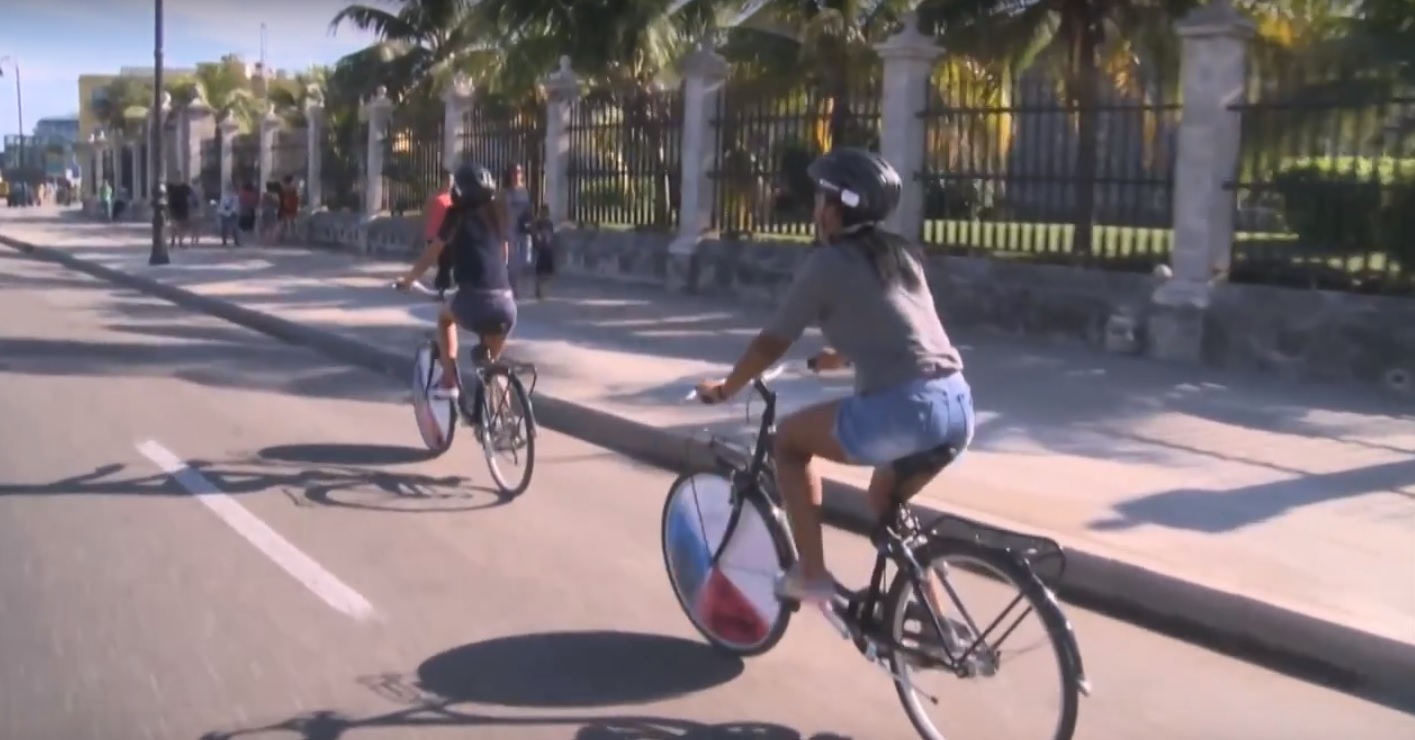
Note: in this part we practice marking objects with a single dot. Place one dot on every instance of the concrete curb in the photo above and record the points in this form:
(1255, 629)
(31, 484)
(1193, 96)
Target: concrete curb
(1340, 656)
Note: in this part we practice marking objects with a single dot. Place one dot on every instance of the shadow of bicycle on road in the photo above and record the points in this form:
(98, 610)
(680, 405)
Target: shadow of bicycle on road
(555, 670)
(351, 476)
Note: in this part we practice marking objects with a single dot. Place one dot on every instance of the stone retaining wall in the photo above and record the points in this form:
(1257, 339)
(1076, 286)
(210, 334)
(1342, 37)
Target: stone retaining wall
(1296, 335)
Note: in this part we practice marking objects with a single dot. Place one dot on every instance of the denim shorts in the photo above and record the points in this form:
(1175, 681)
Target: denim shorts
(484, 311)
(878, 428)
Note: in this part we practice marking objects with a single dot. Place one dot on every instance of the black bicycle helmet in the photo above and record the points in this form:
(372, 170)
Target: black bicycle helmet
(862, 182)
(472, 186)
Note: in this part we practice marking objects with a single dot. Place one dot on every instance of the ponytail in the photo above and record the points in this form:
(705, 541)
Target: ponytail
(891, 255)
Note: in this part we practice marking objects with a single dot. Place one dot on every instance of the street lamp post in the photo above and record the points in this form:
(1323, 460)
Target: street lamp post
(19, 106)
(94, 172)
(158, 254)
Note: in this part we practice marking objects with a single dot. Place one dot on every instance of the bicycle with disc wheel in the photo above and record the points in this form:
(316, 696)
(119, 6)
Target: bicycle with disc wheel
(726, 538)
(498, 409)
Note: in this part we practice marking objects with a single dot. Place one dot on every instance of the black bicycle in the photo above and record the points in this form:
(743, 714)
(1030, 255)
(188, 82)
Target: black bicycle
(498, 409)
(726, 537)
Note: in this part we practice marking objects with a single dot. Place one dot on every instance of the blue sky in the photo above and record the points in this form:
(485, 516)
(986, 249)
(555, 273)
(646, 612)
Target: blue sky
(54, 41)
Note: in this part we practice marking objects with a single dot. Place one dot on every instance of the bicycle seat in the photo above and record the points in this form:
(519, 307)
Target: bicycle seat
(927, 463)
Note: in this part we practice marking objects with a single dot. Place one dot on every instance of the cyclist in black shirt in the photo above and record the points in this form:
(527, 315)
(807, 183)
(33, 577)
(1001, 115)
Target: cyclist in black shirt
(473, 238)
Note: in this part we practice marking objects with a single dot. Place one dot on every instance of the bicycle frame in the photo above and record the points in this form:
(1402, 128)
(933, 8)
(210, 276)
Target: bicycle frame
(745, 481)
(894, 539)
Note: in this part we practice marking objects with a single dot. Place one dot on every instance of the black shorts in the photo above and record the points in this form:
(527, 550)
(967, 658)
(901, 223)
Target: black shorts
(545, 261)
(484, 312)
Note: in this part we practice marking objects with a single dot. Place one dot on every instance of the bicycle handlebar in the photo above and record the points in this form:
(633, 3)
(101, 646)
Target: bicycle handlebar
(759, 383)
(420, 289)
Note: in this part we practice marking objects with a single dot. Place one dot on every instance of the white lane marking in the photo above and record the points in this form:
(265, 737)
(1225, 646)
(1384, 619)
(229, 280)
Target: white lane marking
(300, 566)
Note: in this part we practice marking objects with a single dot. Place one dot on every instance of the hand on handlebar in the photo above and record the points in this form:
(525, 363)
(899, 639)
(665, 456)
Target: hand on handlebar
(711, 392)
(715, 391)
(403, 284)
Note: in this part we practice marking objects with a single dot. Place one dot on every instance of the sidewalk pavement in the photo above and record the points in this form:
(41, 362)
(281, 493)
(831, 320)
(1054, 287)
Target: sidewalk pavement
(1256, 516)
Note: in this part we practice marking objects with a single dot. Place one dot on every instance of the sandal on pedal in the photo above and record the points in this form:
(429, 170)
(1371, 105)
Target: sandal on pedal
(444, 393)
(791, 585)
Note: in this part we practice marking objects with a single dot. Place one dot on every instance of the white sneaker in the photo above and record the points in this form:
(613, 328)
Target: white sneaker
(441, 393)
(795, 587)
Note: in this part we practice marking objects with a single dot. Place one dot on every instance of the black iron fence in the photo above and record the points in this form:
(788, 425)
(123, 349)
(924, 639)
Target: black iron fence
(210, 176)
(125, 162)
(412, 158)
(1017, 167)
(767, 137)
(624, 158)
(498, 133)
(245, 159)
(289, 155)
(1325, 188)
(343, 150)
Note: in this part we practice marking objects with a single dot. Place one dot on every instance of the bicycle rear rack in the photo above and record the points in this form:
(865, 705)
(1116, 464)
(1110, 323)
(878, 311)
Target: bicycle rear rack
(1043, 555)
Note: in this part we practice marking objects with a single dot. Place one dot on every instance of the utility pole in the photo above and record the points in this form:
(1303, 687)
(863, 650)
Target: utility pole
(158, 255)
(19, 107)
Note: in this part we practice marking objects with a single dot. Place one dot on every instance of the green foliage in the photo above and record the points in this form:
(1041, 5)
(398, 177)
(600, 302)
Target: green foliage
(958, 199)
(602, 196)
(796, 191)
(123, 107)
(1349, 205)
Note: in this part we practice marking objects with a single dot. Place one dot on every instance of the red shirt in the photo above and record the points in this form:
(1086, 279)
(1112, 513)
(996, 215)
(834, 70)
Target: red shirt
(434, 213)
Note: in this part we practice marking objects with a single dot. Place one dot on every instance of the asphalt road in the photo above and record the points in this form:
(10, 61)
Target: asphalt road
(340, 586)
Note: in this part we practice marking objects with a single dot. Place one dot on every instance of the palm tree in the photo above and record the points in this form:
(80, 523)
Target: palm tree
(343, 88)
(290, 100)
(827, 44)
(122, 106)
(225, 87)
(420, 44)
(628, 62)
(1088, 46)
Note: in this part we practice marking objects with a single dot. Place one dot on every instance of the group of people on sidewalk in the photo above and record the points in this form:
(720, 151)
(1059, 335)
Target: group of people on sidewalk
(241, 211)
(271, 214)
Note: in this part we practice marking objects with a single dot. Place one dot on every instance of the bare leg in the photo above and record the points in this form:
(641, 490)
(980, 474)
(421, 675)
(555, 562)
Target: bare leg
(447, 342)
(801, 437)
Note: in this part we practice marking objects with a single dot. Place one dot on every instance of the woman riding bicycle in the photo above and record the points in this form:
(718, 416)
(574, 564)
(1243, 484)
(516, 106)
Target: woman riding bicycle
(866, 289)
(473, 236)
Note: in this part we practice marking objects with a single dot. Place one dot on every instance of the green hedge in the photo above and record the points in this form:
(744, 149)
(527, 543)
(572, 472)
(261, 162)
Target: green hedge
(1349, 205)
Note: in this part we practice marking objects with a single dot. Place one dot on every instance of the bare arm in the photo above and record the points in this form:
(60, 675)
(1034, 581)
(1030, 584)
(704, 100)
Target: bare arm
(801, 306)
(425, 260)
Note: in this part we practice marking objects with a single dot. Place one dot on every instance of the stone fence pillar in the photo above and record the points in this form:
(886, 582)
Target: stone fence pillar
(908, 58)
(376, 113)
(269, 126)
(227, 129)
(704, 72)
(457, 101)
(315, 124)
(197, 124)
(1213, 77)
(562, 90)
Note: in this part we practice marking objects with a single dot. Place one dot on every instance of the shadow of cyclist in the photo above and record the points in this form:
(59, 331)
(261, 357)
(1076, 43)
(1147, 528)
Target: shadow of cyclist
(555, 670)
